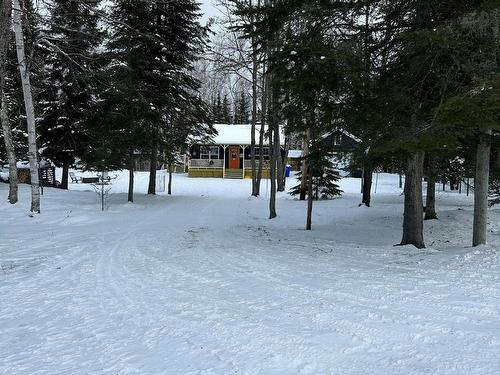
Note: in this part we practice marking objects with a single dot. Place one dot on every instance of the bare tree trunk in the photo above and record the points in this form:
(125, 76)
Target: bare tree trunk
(65, 176)
(367, 184)
(272, 175)
(152, 168)
(430, 199)
(28, 102)
(5, 22)
(304, 168)
(310, 197)
(9, 147)
(280, 171)
(413, 224)
(255, 66)
(261, 133)
(400, 181)
(131, 178)
(272, 151)
(169, 180)
(481, 188)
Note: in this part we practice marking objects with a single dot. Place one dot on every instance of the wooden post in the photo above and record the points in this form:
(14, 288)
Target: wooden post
(243, 148)
(224, 162)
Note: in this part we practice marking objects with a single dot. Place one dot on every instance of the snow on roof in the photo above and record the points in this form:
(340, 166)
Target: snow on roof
(345, 132)
(228, 134)
(295, 154)
(352, 136)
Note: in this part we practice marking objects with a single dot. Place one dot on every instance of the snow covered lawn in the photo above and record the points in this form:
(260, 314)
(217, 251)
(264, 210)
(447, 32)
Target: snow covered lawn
(202, 283)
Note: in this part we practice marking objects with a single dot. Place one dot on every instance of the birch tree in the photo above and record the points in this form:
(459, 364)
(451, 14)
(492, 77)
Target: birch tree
(17, 16)
(5, 35)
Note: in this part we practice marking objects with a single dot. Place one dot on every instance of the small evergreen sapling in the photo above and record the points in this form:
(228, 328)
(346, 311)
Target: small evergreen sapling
(325, 179)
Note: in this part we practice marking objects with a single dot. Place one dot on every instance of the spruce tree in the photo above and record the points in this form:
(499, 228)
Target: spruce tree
(68, 90)
(324, 176)
(226, 111)
(217, 110)
(241, 109)
(152, 47)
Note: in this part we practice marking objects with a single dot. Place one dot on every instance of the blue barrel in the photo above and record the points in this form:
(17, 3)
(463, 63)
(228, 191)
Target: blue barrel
(288, 170)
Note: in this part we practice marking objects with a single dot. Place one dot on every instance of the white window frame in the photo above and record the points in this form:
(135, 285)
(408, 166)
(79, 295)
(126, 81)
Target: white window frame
(337, 139)
(209, 152)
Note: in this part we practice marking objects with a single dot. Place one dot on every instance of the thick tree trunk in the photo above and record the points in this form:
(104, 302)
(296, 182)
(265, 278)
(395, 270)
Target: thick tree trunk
(169, 180)
(152, 168)
(9, 147)
(304, 167)
(413, 225)
(280, 170)
(452, 183)
(65, 176)
(272, 175)
(430, 199)
(131, 179)
(5, 22)
(310, 198)
(28, 102)
(367, 185)
(481, 183)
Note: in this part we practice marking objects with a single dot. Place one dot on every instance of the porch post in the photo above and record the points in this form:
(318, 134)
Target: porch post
(243, 147)
(224, 162)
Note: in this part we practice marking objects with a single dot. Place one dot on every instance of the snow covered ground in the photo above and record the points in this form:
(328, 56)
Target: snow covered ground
(202, 282)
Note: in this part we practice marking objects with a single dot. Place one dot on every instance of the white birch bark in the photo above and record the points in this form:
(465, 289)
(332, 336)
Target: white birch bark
(17, 13)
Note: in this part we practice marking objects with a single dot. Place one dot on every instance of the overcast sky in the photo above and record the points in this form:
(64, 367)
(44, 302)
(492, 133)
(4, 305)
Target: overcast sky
(208, 9)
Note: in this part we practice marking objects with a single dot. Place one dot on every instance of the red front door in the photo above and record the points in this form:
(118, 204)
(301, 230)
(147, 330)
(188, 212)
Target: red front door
(234, 157)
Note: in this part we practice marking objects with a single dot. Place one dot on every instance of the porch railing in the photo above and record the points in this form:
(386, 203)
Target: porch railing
(205, 163)
(248, 164)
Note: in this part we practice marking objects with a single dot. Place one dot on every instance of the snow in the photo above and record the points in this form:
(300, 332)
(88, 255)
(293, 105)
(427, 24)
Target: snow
(232, 134)
(295, 154)
(202, 282)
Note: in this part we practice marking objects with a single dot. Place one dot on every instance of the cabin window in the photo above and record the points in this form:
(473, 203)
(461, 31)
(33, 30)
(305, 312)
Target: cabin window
(265, 151)
(209, 152)
(337, 140)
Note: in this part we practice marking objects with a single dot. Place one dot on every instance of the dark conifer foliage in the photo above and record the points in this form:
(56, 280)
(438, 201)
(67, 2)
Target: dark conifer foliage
(67, 94)
(17, 116)
(242, 109)
(225, 114)
(151, 49)
(325, 179)
(217, 110)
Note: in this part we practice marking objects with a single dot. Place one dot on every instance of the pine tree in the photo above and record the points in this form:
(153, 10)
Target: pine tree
(325, 180)
(68, 91)
(226, 111)
(241, 109)
(217, 110)
(152, 47)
